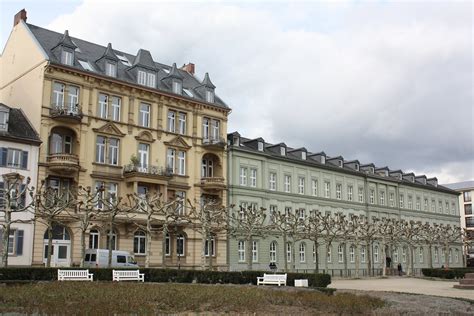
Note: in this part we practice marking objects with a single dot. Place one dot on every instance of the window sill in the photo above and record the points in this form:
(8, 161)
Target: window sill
(106, 165)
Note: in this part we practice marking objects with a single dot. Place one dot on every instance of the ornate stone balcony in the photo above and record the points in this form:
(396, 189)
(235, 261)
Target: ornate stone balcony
(63, 163)
(66, 112)
(213, 183)
(215, 143)
(141, 173)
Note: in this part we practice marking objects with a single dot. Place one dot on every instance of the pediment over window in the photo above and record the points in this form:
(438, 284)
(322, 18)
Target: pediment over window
(145, 136)
(178, 142)
(109, 129)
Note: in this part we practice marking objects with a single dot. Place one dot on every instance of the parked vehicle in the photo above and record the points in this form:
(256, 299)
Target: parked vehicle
(99, 258)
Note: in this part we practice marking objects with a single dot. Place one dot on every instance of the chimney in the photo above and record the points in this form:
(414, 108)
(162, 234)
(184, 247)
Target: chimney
(189, 68)
(19, 16)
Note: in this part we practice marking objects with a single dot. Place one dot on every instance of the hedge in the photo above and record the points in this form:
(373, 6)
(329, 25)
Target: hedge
(450, 273)
(167, 275)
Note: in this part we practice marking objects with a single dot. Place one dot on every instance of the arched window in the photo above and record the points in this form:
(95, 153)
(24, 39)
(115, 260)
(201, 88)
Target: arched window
(273, 251)
(395, 255)
(241, 250)
(139, 243)
(376, 254)
(288, 252)
(180, 242)
(94, 239)
(362, 254)
(114, 240)
(59, 233)
(302, 252)
(352, 253)
(436, 256)
(421, 255)
(404, 254)
(340, 253)
(254, 251)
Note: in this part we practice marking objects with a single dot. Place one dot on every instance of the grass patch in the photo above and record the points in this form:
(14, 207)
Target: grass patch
(105, 298)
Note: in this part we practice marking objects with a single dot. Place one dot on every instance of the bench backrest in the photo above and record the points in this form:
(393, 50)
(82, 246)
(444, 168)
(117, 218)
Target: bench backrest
(73, 273)
(274, 277)
(126, 273)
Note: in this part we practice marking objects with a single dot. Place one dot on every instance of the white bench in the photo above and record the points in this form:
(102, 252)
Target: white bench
(301, 283)
(75, 275)
(128, 275)
(279, 279)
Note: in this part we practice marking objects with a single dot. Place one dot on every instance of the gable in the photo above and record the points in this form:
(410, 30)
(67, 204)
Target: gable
(109, 129)
(178, 142)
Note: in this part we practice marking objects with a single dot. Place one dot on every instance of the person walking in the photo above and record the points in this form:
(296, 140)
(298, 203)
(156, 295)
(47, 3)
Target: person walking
(399, 267)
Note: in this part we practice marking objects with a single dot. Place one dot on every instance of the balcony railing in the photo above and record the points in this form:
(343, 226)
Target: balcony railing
(213, 182)
(63, 162)
(214, 141)
(66, 110)
(148, 170)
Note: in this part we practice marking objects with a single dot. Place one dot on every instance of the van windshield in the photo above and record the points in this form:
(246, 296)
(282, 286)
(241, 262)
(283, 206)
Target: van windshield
(131, 260)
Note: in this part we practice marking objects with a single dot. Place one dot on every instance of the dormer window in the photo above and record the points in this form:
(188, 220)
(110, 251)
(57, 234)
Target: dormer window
(283, 151)
(371, 170)
(146, 78)
(177, 87)
(66, 57)
(237, 141)
(3, 120)
(323, 159)
(303, 155)
(110, 69)
(340, 163)
(357, 167)
(260, 146)
(209, 96)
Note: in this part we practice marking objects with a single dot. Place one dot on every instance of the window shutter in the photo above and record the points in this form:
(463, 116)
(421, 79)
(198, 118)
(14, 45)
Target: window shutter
(19, 242)
(24, 160)
(3, 156)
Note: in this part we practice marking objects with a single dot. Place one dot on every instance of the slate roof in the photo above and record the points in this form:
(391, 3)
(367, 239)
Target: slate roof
(19, 128)
(460, 186)
(90, 52)
(345, 168)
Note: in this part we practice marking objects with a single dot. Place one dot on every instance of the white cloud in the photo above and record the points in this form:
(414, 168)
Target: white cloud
(384, 82)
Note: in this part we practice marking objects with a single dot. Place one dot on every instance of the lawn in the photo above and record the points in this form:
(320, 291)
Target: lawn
(105, 298)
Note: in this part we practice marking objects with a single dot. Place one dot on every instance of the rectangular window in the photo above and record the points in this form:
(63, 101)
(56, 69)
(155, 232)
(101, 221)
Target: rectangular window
(58, 94)
(141, 79)
(382, 198)
(433, 206)
(468, 209)
(314, 187)
(253, 178)
(66, 57)
(426, 205)
(447, 208)
(418, 204)
(205, 128)
(100, 150)
(254, 251)
(116, 104)
(150, 80)
(209, 96)
(288, 252)
(410, 202)
(182, 123)
(401, 200)
(11, 242)
(287, 184)
(272, 180)
(361, 195)
(181, 163)
(241, 250)
(210, 247)
(177, 87)
(349, 193)
(215, 130)
(273, 212)
(391, 198)
(14, 158)
(110, 69)
(170, 159)
(440, 207)
(338, 191)
(171, 121)
(243, 176)
(73, 99)
(113, 151)
(143, 154)
(180, 245)
(301, 185)
(144, 119)
(372, 197)
(467, 196)
(327, 189)
(103, 104)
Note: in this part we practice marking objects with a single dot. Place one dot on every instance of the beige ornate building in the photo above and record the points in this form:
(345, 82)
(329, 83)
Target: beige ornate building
(119, 120)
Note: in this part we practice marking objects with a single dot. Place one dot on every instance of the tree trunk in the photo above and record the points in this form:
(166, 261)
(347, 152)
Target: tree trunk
(446, 255)
(316, 246)
(5, 238)
(249, 249)
(211, 247)
(328, 245)
(384, 258)
(285, 259)
(293, 255)
(369, 259)
(111, 234)
(344, 257)
(163, 247)
(148, 243)
(83, 246)
(410, 261)
(357, 260)
(430, 254)
(50, 244)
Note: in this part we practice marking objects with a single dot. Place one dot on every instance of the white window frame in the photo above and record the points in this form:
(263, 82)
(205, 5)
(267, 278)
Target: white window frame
(338, 191)
(100, 149)
(243, 176)
(314, 187)
(352, 253)
(376, 254)
(391, 199)
(140, 236)
(302, 252)
(177, 87)
(171, 121)
(241, 250)
(171, 159)
(287, 184)
(340, 254)
(272, 181)
(141, 77)
(253, 177)
(361, 194)
(110, 69)
(116, 104)
(288, 252)
(182, 123)
(103, 105)
(327, 189)
(363, 254)
(180, 238)
(301, 182)
(349, 192)
(145, 110)
(113, 151)
(181, 163)
(273, 251)
(372, 196)
(254, 251)
(382, 197)
(66, 57)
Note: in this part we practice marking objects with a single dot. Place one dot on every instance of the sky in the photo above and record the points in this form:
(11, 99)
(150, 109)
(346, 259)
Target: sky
(379, 81)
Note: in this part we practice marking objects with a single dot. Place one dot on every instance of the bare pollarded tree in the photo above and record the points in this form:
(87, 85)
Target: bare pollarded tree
(13, 205)
(388, 235)
(249, 223)
(313, 231)
(367, 230)
(448, 235)
(344, 231)
(51, 207)
(429, 235)
(291, 227)
(467, 238)
(410, 235)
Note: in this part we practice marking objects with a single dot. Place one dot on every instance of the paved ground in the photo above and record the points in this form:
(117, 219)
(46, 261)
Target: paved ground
(406, 285)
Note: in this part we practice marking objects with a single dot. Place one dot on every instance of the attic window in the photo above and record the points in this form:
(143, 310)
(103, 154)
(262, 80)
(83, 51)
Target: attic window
(357, 167)
(303, 155)
(236, 141)
(123, 59)
(146, 78)
(177, 87)
(340, 163)
(188, 92)
(110, 69)
(371, 169)
(323, 159)
(66, 57)
(209, 96)
(260, 146)
(166, 70)
(86, 65)
(283, 151)
(4, 120)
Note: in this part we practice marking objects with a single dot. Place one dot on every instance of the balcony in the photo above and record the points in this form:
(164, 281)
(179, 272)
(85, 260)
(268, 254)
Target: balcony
(150, 174)
(213, 183)
(67, 112)
(63, 163)
(215, 143)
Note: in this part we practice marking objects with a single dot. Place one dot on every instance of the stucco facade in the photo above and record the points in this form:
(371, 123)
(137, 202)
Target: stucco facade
(116, 133)
(375, 193)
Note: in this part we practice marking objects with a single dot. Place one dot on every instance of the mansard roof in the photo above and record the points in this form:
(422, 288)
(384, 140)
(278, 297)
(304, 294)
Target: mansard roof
(206, 82)
(109, 53)
(248, 145)
(19, 127)
(91, 53)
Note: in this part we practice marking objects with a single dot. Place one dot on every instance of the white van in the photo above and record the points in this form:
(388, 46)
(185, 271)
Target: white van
(99, 258)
